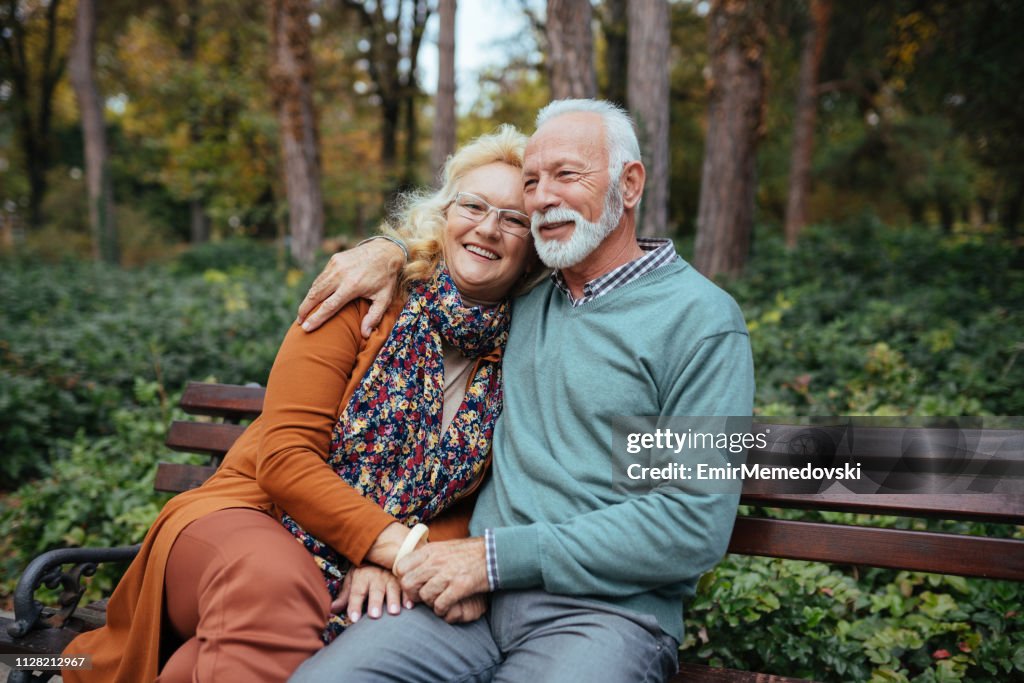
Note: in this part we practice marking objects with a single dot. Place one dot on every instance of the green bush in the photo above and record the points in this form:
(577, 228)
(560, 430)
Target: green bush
(98, 493)
(231, 255)
(815, 621)
(78, 336)
(865, 320)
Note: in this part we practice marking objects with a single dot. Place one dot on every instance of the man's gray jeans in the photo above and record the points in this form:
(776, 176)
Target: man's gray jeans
(525, 637)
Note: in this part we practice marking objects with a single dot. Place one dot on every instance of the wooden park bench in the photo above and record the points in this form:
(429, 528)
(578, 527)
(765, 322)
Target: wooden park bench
(41, 630)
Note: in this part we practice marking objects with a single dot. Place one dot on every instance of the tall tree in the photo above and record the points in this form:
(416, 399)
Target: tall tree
(199, 127)
(443, 142)
(570, 55)
(34, 75)
(811, 52)
(613, 17)
(725, 213)
(980, 61)
(649, 24)
(291, 76)
(392, 59)
(188, 46)
(94, 132)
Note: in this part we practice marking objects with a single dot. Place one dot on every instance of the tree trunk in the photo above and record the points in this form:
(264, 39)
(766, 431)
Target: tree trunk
(725, 214)
(291, 74)
(947, 216)
(570, 49)
(32, 83)
(391, 62)
(90, 106)
(408, 179)
(199, 222)
(986, 207)
(915, 207)
(409, 90)
(1011, 212)
(648, 101)
(443, 142)
(806, 113)
(616, 54)
(390, 111)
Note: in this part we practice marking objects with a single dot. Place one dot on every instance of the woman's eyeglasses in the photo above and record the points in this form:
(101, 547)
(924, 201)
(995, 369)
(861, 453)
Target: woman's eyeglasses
(477, 209)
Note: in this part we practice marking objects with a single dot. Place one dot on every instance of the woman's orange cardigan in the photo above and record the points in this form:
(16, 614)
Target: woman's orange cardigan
(278, 464)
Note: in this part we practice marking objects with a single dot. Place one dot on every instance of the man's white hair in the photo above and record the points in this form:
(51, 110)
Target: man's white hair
(620, 134)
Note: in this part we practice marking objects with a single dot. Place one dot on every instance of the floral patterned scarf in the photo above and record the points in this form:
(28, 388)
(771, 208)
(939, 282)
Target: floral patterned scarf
(387, 443)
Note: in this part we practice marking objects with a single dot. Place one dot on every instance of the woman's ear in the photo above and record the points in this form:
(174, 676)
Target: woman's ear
(631, 182)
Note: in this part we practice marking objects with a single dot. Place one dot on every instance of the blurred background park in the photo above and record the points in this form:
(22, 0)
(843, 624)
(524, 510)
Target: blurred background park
(173, 173)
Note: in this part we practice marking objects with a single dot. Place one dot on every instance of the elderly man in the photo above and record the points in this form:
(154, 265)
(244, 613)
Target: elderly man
(586, 579)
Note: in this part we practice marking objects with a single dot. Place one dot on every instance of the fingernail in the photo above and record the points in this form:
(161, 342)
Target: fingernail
(374, 612)
(353, 617)
(408, 604)
(394, 609)
(306, 327)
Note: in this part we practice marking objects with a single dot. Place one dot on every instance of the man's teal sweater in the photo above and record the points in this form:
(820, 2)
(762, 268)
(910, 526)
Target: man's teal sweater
(669, 343)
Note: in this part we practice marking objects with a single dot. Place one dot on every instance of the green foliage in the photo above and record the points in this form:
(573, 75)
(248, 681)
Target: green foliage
(78, 337)
(814, 621)
(235, 255)
(98, 493)
(864, 320)
(195, 118)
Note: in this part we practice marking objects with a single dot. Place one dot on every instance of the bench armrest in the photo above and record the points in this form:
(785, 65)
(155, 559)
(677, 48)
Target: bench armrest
(47, 569)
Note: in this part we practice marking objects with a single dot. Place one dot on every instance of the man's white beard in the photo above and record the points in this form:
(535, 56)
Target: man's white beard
(585, 237)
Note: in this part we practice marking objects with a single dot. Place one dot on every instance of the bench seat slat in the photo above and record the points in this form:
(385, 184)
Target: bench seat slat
(697, 673)
(994, 558)
(202, 437)
(36, 642)
(223, 400)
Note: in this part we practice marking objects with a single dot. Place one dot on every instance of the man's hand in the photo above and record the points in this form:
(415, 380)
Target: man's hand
(373, 586)
(443, 574)
(467, 610)
(369, 271)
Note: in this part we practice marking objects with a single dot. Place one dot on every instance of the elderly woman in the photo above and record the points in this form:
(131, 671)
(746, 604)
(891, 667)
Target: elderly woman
(360, 441)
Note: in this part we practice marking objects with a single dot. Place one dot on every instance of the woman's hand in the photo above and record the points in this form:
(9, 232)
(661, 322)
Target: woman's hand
(384, 549)
(369, 271)
(372, 588)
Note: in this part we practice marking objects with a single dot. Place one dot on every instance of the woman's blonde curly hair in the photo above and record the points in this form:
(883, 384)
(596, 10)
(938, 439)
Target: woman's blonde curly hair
(420, 219)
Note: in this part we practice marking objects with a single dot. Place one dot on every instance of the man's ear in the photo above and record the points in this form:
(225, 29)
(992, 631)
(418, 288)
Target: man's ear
(631, 182)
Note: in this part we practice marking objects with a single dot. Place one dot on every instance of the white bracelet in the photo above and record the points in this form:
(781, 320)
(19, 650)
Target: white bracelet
(416, 534)
(394, 240)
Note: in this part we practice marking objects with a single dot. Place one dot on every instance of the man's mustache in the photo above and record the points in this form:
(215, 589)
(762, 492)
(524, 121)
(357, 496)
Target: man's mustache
(558, 214)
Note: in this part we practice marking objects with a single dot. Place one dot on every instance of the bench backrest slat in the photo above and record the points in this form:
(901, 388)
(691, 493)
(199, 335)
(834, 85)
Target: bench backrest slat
(175, 477)
(202, 437)
(223, 400)
(996, 558)
(983, 507)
